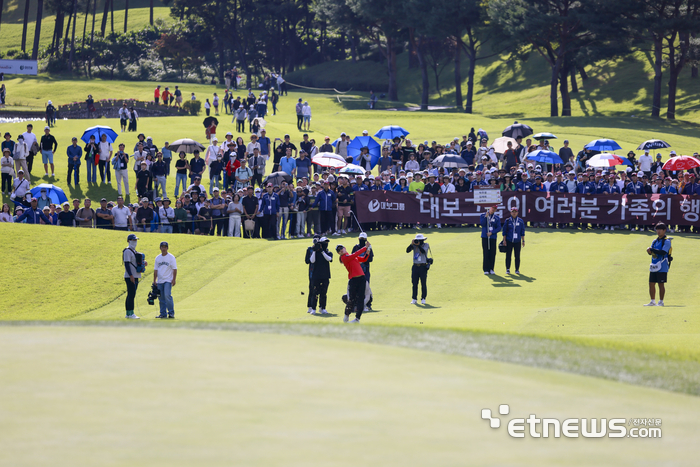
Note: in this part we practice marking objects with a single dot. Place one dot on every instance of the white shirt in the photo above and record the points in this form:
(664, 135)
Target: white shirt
(306, 110)
(138, 158)
(412, 166)
(251, 146)
(447, 188)
(121, 216)
(645, 162)
(104, 148)
(20, 187)
(124, 113)
(165, 213)
(164, 266)
(29, 139)
(212, 152)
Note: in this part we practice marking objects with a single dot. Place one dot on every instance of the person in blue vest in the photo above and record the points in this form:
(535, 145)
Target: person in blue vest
(524, 184)
(33, 214)
(660, 252)
(585, 187)
(325, 200)
(634, 186)
(270, 204)
(490, 226)
(514, 238)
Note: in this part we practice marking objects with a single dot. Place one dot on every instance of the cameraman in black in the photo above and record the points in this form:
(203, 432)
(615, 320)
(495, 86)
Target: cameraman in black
(134, 265)
(318, 258)
(421, 264)
(365, 268)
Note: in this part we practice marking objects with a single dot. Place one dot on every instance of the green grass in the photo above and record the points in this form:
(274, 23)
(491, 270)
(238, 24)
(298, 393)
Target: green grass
(13, 20)
(585, 288)
(105, 396)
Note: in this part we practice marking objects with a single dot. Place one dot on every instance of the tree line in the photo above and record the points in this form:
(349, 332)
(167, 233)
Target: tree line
(283, 35)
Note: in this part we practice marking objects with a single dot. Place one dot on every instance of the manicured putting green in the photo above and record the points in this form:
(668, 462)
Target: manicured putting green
(127, 396)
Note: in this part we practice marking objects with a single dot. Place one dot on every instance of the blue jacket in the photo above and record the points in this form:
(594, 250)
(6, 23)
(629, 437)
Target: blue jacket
(600, 187)
(270, 203)
(523, 186)
(558, 187)
(492, 223)
(516, 227)
(614, 189)
(74, 151)
(664, 245)
(671, 190)
(325, 200)
(586, 188)
(32, 216)
(634, 188)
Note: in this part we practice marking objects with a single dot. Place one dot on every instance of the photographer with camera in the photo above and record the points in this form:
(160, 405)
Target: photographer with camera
(164, 277)
(318, 258)
(660, 252)
(356, 280)
(421, 264)
(134, 265)
(490, 226)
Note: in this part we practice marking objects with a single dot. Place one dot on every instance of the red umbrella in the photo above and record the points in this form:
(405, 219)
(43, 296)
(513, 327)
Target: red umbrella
(681, 163)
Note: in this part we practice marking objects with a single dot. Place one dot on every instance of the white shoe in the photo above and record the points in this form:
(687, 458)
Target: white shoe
(612, 227)
(507, 271)
(132, 317)
(661, 303)
(46, 174)
(324, 312)
(336, 234)
(413, 302)
(517, 272)
(345, 318)
(53, 176)
(355, 320)
(651, 303)
(491, 272)
(365, 310)
(310, 310)
(422, 302)
(607, 228)
(486, 273)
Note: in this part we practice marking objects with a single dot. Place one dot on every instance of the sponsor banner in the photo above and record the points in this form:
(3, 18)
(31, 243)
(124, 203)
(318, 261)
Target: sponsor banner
(18, 67)
(564, 208)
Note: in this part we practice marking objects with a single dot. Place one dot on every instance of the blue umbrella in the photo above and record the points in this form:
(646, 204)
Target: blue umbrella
(391, 132)
(542, 155)
(97, 132)
(356, 145)
(602, 145)
(55, 194)
(626, 161)
(335, 142)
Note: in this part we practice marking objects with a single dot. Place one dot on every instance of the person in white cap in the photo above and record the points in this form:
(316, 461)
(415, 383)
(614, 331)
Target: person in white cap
(318, 258)
(645, 162)
(419, 272)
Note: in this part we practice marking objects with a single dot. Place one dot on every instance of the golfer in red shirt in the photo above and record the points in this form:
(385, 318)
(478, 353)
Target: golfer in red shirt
(356, 280)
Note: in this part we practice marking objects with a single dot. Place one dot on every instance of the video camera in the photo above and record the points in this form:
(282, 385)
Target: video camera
(153, 294)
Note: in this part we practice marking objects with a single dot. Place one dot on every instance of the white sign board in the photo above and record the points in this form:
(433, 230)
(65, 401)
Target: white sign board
(489, 196)
(18, 67)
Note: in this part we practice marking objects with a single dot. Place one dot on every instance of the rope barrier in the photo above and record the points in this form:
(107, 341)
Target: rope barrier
(319, 89)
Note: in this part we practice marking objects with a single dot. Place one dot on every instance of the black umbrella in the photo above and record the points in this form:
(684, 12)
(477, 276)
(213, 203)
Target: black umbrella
(209, 120)
(654, 144)
(450, 161)
(517, 130)
(278, 177)
(186, 144)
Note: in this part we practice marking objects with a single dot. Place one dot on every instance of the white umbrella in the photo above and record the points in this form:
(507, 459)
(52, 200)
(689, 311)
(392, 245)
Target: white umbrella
(329, 159)
(500, 145)
(352, 169)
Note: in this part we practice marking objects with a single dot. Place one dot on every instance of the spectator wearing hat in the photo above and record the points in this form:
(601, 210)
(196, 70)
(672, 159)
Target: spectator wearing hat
(181, 168)
(144, 216)
(565, 152)
(218, 206)
(306, 116)
(514, 238)
(271, 211)
(326, 200)
(66, 217)
(85, 216)
(660, 252)
(21, 154)
(133, 265)
(634, 186)
(419, 272)
(167, 216)
(524, 184)
(104, 149)
(490, 226)
(357, 281)
(341, 147)
(103, 216)
(143, 180)
(48, 147)
(318, 258)
(197, 166)
(168, 157)
(165, 277)
(8, 144)
(280, 151)
(345, 197)
(299, 109)
(33, 215)
(75, 154)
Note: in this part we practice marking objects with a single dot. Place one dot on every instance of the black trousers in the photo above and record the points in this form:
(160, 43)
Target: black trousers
(269, 226)
(356, 295)
(7, 181)
(240, 126)
(257, 178)
(218, 228)
(30, 163)
(513, 247)
(130, 293)
(419, 273)
(489, 247)
(105, 171)
(327, 220)
(318, 288)
(300, 120)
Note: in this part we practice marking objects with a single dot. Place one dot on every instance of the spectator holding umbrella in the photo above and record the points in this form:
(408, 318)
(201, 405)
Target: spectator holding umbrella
(490, 226)
(514, 238)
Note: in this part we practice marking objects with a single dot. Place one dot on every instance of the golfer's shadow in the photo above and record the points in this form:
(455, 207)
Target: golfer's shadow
(500, 281)
(522, 277)
(428, 306)
(326, 315)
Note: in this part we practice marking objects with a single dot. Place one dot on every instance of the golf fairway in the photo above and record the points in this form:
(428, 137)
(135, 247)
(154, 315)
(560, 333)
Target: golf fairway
(149, 397)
